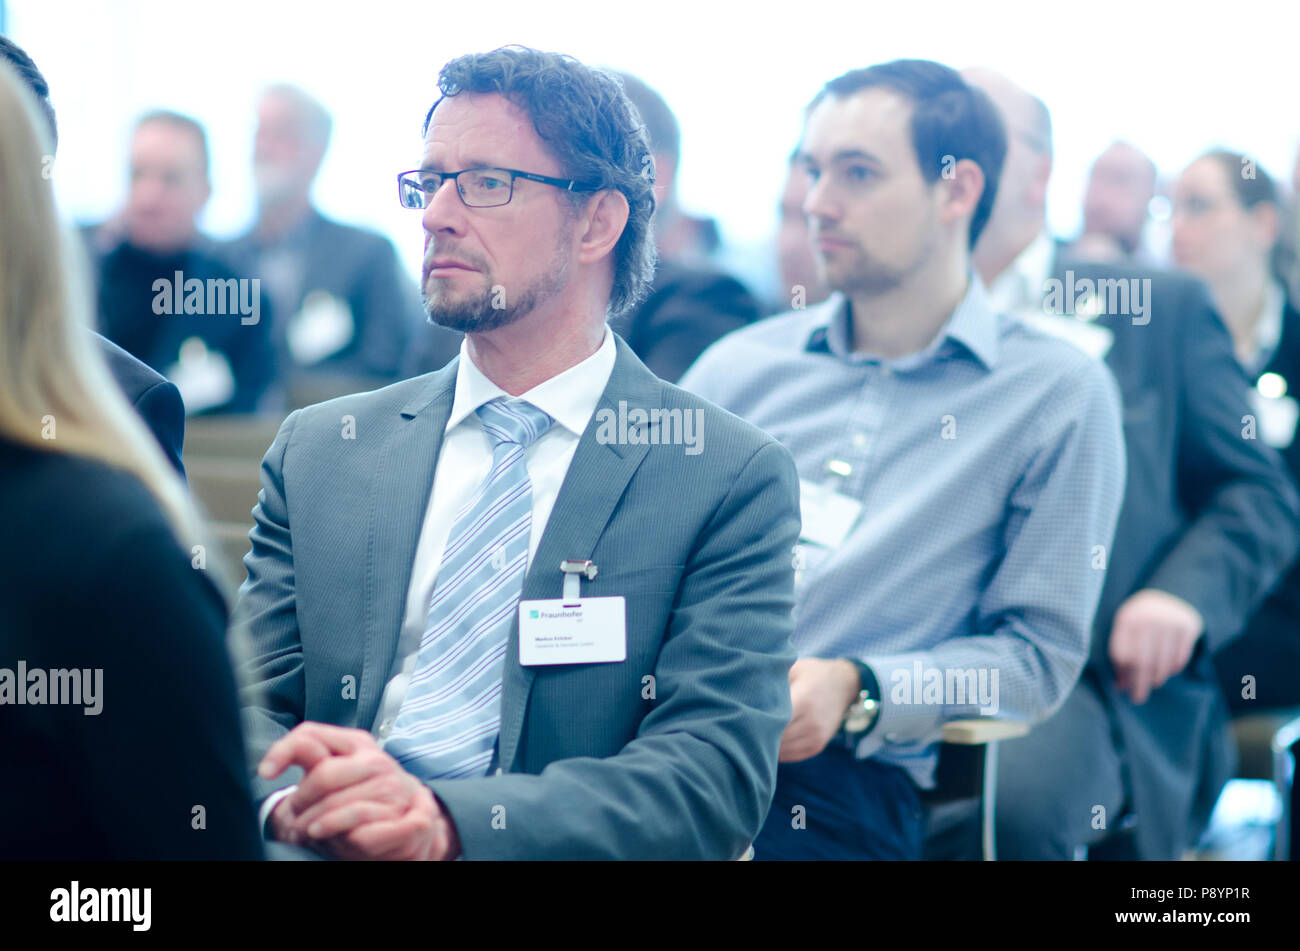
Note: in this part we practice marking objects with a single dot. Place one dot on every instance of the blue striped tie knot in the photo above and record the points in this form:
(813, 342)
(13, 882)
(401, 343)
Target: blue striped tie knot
(514, 422)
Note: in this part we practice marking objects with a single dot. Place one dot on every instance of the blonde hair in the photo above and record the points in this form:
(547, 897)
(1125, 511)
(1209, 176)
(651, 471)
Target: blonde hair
(56, 392)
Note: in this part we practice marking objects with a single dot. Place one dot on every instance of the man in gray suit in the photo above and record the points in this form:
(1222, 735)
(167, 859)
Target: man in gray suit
(551, 626)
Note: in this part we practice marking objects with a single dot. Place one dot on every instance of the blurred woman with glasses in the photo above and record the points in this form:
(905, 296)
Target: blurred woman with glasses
(1226, 229)
(119, 724)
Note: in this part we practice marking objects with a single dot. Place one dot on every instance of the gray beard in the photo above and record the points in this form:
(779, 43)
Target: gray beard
(478, 315)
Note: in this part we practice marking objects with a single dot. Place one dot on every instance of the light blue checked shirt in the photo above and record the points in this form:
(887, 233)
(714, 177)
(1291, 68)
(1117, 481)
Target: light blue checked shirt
(991, 470)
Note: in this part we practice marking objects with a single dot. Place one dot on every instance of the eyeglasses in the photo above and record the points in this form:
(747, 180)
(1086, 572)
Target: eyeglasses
(477, 187)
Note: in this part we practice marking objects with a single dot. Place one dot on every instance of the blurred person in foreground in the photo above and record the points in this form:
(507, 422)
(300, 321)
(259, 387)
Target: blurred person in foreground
(117, 701)
(1209, 521)
(343, 310)
(956, 466)
(153, 397)
(1226, 225)
(165, 295)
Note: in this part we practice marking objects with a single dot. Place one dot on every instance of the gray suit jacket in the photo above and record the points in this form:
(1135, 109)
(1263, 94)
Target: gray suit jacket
(670, 754)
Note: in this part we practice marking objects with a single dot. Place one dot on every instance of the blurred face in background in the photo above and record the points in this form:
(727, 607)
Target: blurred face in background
(286, 153)
(169, 187)
(1215, 237)
(1027, 165)
(1120, 189)
(794, 239)
(873, 217)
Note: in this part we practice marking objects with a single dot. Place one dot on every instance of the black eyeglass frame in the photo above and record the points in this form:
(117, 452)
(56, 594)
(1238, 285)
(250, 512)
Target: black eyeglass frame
(514, 173)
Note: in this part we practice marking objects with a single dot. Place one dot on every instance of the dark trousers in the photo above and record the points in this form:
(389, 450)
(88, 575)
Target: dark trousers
(833, 806)
(1051, 782)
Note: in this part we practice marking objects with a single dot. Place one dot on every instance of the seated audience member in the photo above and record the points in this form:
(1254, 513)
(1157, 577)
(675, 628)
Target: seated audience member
(156, 400)
(690, 304)
(164, 294)
(1115, 206)
(1208, 523)
(342, 306)
(418, 695)
(958, 468)
(117, 702)
(801, 282)
(1226, 221)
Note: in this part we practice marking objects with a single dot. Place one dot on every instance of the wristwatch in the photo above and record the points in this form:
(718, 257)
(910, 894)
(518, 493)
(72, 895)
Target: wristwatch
(861, 715)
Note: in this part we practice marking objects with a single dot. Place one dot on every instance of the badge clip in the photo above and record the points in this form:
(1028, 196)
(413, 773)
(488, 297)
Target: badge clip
(574, 570)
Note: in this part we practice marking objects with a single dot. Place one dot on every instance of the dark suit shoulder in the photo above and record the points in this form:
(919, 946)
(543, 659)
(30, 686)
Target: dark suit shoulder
(694, 277)
(361, 238)
(133, 376)
(155, 398)
(65, 512)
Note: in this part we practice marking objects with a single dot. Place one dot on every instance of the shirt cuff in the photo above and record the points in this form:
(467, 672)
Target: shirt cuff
(904, 717)
(268, 806)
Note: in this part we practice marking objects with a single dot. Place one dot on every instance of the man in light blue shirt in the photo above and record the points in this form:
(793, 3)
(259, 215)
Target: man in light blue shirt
(962, 472)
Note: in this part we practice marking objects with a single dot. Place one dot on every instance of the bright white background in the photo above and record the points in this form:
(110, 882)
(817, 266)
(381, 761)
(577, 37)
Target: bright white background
(1173, 78)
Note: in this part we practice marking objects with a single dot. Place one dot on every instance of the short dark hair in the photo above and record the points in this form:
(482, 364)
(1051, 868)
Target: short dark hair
(1249, 190)
(592, 129)
(13, 54)
(192, 126)
(951, 120)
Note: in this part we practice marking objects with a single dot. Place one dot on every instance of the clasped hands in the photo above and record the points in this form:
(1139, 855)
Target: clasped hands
(355, 801)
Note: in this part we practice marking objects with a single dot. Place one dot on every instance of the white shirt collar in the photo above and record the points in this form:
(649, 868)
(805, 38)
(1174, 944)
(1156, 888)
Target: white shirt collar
(569, 398)
(1268, 328)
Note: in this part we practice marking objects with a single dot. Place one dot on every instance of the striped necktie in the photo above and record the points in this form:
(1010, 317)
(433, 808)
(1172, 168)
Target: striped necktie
(448, 722)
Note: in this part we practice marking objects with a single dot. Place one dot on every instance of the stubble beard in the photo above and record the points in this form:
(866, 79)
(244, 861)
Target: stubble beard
(495, 306)
(869, 277)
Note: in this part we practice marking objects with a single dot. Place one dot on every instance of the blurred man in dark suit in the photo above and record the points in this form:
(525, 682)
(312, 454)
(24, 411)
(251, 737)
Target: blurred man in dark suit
(164, 294)
(343, 307)
(690, 304)
(1120, 188)
(156, 400)
(1210, 519)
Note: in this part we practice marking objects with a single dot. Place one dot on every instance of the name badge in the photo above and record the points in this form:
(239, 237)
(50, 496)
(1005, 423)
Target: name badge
(1277, 417)
(828, 516)
(322, 327)
(581, 631)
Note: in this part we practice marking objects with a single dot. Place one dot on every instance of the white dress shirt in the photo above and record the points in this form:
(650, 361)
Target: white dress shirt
(1268, 331)
(1021, 286)
(1021, 292)
(464, 460)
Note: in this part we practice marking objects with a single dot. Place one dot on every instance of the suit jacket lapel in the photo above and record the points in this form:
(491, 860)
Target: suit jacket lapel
(403, 481)
(595, 482)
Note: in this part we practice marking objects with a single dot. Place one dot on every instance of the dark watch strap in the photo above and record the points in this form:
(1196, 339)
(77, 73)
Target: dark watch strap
(867, 677)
